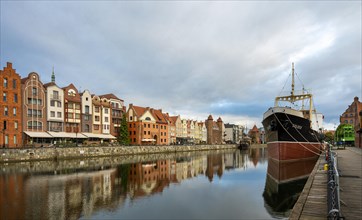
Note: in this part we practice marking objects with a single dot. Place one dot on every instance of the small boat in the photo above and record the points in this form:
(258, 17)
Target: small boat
(244, 144)
(292, 133)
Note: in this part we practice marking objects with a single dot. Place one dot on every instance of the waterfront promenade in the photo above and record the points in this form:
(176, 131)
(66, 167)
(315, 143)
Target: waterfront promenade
(312, 203)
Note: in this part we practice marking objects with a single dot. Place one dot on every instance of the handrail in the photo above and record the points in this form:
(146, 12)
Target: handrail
(333, 198)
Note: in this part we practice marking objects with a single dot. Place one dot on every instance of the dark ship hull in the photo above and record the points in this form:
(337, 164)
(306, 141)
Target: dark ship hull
(289, 135)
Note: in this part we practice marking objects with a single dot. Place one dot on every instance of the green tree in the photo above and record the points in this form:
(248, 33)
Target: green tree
(329, 137)
(123, 136)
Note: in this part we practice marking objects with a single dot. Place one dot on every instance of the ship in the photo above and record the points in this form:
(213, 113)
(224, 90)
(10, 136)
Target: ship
(293, 132)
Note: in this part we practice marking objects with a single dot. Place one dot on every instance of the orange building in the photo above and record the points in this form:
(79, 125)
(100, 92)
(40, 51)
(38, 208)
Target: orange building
(10, 108)
(255, 135)
(147, 126)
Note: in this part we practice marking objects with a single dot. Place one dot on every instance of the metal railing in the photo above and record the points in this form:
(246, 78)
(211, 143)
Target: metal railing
(333, 198)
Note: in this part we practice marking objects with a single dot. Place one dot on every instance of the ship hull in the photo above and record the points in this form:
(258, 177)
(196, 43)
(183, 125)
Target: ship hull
(289, 135)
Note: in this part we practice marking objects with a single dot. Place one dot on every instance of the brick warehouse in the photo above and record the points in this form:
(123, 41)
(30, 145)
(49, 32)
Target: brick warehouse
(10, 107)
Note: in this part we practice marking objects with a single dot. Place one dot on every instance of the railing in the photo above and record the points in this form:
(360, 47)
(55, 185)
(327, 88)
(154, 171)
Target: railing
(55, 97)
(333, 199)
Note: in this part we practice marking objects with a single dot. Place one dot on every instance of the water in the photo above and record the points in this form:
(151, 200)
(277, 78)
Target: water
(203, 185)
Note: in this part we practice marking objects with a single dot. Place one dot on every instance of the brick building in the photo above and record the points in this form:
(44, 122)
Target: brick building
(215, 131)
(352, 116)
(34, 111)
(147, 126)
(10, 108)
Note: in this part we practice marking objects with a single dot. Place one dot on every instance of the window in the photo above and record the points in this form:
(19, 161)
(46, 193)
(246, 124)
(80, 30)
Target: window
(130, 118)
(86, 98)
(16, 98)
(134, 132)
(86, 128)
(144, 132)
(77, 116)
(6, 111)
(96, 127)
(86, 117)
(77, 106)
(14, 83)
(106, 110)
(87, 109)
(4, 96)
(55, 94)
(34, 91)
(130, 133)
(39, 102)
(134, 139)
(70, 115)
(153, 126)
(96, 118)
(59, 114)
(15, 141)
(6, 139)
(149, 132)
(351, 121)
(96, 109)
(346, 121)
(149, 126)
(106, 119)
(59, 104)
(14, 111)
(52, 103)
(15, 125)
(148, 119)
(5, 83)
(52, 114)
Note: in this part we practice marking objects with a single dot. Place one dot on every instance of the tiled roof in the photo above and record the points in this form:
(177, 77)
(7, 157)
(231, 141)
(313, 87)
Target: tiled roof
(139, 110)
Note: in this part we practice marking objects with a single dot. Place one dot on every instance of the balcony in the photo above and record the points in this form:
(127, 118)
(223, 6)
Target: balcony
(55, 97)
(35, 116)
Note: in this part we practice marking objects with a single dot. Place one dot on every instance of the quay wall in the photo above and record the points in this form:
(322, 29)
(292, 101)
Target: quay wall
(65, 153)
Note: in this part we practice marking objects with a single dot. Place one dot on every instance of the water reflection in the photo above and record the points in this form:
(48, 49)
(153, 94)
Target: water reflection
(76, 194)
(284, 183)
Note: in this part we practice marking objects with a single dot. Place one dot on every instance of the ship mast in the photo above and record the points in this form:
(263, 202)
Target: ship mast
(293, 97)
(292, 92)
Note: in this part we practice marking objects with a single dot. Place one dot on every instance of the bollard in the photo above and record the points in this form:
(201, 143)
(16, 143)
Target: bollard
(325, 167)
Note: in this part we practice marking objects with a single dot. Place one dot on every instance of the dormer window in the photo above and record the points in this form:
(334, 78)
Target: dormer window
(148, 119)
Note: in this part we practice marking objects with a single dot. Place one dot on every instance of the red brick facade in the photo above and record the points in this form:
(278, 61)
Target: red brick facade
(10, 108)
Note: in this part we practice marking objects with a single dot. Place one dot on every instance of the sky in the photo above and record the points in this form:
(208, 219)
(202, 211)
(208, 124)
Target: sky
(192, 58)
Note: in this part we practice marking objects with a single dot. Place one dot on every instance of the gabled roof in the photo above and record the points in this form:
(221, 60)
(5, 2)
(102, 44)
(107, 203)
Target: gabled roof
(110, 96)
(139, 110)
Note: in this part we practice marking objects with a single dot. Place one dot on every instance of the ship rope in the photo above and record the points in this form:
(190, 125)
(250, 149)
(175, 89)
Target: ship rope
(294, 138)
(301, 133)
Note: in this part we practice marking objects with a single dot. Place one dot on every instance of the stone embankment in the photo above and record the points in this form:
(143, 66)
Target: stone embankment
(64, 153)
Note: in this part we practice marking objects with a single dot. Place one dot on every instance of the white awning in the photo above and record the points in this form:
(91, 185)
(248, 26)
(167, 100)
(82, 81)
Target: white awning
(66, 135)
(37, 134)
(146, 139)
(101, 136)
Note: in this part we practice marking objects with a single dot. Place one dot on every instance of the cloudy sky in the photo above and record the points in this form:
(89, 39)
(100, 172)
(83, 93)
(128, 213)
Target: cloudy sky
(192, 58)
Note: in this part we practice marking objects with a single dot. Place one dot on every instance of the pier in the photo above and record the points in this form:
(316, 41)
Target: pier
(312, 203)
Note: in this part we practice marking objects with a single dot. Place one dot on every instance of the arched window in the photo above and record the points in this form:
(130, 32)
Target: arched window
(351, 121)
(86, 128)
(148, 119)
(5, 83)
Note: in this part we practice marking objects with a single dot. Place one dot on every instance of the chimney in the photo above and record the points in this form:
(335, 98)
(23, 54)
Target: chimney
(9, 65)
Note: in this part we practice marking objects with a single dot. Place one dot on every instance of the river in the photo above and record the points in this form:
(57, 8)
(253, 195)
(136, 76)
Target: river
(232, 184)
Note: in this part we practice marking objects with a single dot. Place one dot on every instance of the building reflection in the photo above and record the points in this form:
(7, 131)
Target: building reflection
(82, 193)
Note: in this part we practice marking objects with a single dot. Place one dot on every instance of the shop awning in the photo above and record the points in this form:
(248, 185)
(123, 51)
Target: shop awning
(146, 139)
(101, 136)
(37, 134)
(66, 135)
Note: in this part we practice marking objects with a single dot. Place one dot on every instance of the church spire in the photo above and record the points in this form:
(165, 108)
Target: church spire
(53, 76)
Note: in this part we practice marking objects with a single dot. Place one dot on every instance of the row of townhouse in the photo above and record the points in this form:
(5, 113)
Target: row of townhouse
(37, 114)
(149, 126)
(33, 113)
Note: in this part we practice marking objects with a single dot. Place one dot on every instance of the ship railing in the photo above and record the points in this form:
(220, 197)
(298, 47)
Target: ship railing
(333, 197)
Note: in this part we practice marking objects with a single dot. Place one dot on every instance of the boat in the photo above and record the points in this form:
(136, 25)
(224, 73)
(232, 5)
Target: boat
(292, 133)
(244, 144)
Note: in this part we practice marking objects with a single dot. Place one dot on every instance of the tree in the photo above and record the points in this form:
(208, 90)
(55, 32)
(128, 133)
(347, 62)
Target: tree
(123, 136)
(329, 137)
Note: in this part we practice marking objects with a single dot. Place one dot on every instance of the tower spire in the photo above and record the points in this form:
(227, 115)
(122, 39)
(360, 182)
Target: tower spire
(53, 76)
